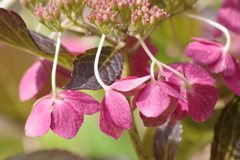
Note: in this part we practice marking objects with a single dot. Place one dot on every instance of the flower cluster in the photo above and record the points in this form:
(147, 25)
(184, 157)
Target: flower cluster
(104, 14)
(171, 93)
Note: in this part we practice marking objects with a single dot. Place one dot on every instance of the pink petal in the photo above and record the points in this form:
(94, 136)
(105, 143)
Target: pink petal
(81, 102)
(201, 102)
(154, 122)
(116, 110)
(218, 65)
(39, 119)
(152, 101)
(65, 120)
(228, 15)
(33, 81)
(197, 75)
(129, 83)
(233, 82)
(162, 118)
(170, 88)
(172, 77)
(230, 67)
(179, 113)
(139, 59)
(109, 129)
(204, 51)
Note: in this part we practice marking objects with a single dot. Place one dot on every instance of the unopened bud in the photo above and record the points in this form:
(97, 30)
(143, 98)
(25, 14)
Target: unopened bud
(59, 3)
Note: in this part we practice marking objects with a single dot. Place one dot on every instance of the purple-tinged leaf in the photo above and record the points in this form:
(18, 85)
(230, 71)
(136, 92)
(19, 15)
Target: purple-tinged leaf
(39, 120)
(81, 102)
(166, 141)
(65, 120)
(14, 32)
(109, 129)
(201, 102)
(116, 110)
(152, 101)
(47, 155)
(227, 133)
(110, 68)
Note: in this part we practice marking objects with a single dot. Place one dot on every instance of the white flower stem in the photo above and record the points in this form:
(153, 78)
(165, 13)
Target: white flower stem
(54, 67)
(217, 25)
(160, 64)
(96, 72)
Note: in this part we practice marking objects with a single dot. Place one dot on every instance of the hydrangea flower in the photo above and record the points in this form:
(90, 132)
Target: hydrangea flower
(211, 53)
(36, 82)
(156, 101)
(229, 7)
(115, 113)
(201, 96)
(63, 115)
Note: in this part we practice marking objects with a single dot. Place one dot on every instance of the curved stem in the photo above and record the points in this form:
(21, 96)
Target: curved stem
(160, 64)
(217, 25)
(54, 67)
(96, 72)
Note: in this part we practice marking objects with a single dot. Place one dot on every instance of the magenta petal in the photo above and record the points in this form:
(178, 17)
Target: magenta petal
(217, 66)
(32, 81)
(152, 101)
(205, 52)
(129, 83)
(170, 88)
(230, 67)
(179, 113)
(228, 15)
(233, 82)
(39, 119)
(108, 129)
(172, 77)
(81, 102)
(116, 110)
(197, 75)
(65, 120)
(154, 122)
(201, 102)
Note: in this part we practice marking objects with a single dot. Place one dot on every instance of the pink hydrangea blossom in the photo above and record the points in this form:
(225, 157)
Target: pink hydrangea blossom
(36, 81)
(228, 15)
(156, 101)
(201, 95)
(211, 53)
(63, 115)
(115, 113)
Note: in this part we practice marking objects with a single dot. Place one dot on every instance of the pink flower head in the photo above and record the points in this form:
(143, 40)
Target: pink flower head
(36, 80)
(115, 113)
(211, 53)
(64, 115)
(156, 101)
(228, 15)
(139, 59)
(201, 96)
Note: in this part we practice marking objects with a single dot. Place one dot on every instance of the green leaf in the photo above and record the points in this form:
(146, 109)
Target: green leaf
(110, 68)
(14, 32)
(227, 132)
(47, 155)
(166, 141)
